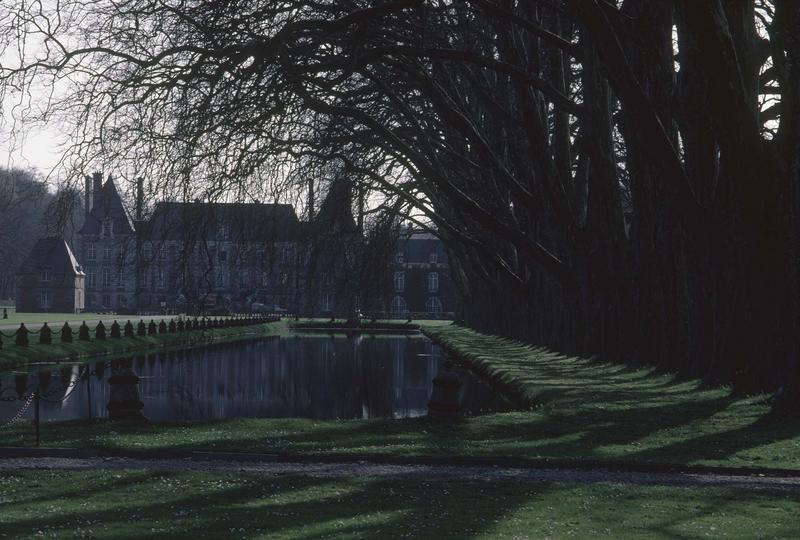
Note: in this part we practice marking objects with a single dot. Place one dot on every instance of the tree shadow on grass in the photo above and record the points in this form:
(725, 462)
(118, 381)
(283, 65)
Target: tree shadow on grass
(224, 505)
(218, 506)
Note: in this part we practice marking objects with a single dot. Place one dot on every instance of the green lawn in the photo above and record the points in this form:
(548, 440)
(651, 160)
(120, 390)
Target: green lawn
(54, 318)
(147, 504)
(13, 357)
(589, 411)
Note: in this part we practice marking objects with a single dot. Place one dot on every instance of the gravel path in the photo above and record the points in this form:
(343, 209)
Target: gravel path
(409, 471)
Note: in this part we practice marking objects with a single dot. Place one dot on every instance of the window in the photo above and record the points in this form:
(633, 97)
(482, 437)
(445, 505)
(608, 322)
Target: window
(398, 306)
(144, 279)
(223, 256)
(91, 279)
(264, 279)
(433, 258)
(433, 306)
(147, 252)
(106, 278)
(120, 278)
(222, 279)
(45, 299)
(327, 279)
(161, 279)
(399, 281)
(400, 257)
(106, 300)
(91, 252)
(107, 228)
(45, 275)
(433, 282)
(327, 302)
(122, 301)
(244, 279)
(162, 252)
(107, 252)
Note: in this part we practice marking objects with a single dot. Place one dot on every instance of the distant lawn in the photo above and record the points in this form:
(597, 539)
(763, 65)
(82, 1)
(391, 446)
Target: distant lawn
(54, 318)
(14, 357)
(148, 504)
(589, 411)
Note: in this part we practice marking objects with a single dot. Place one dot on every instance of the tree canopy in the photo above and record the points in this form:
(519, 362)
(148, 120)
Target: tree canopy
(613, 178)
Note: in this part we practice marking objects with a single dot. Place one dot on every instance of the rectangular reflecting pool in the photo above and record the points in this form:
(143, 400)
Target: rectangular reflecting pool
(308, 377)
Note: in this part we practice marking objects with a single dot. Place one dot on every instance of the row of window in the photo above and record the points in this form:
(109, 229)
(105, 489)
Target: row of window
(400, 281)
(433, 257)
(91, 252)
(399, 306)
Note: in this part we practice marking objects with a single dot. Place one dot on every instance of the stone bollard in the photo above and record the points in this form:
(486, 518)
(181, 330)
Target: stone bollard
(100, 331)
(162, 327)
(141, 328)
(202, 324)
(22, 336)
(181, 326)
(151, 328)
(123, 398)
(5, 313)
(172, 328)
(1, 340)
(83, 332)
(115, 330)
(446, 396)
(66, 333)
(128, 329)
(45, 335)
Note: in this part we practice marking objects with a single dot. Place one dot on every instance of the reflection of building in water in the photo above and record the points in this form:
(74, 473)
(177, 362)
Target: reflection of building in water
(322, 378)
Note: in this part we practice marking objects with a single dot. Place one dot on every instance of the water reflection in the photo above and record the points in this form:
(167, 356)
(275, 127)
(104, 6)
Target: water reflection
(311, 377)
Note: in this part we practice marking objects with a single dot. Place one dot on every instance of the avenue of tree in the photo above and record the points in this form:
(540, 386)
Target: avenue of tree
(618, 179)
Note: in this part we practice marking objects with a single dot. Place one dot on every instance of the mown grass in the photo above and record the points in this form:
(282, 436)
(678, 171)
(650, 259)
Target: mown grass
(13, 357)
(588, 411)
(52, 318)
(148, 504)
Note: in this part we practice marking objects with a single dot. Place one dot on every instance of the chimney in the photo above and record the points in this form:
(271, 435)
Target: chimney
(88, 193)
(310, 200)
(139, 198)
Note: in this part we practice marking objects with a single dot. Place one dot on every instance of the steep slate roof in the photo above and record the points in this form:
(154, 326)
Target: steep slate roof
(54, 253)
(244, 222)
(418, 245)
(336, 213)
(108, 204)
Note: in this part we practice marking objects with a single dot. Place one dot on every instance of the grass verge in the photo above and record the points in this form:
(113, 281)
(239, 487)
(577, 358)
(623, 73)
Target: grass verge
(146, 504)
(53, 319)
(13, 357)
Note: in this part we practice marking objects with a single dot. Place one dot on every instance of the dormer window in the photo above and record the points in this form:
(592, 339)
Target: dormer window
(433, 258)
(91, 252)
(400, 257)
(45, 275)
(108, 227)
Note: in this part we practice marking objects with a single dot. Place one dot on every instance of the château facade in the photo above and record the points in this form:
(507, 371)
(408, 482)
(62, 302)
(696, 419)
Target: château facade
(207, 257)
(421, 284)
